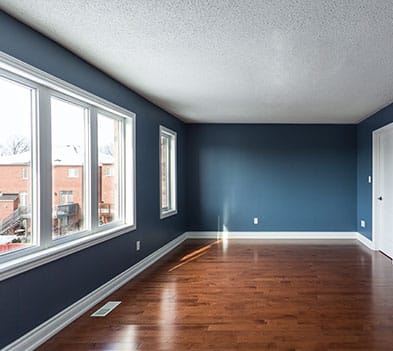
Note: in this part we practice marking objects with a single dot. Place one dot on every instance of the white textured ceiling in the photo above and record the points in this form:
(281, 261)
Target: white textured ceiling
(296, 61)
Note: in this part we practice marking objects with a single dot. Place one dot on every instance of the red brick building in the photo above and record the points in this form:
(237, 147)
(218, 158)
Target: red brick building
(67, 195)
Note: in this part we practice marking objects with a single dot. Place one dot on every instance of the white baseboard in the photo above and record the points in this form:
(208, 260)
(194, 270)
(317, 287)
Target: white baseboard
(272, 235)
(366, 241)
(283, 235)
(46, 330)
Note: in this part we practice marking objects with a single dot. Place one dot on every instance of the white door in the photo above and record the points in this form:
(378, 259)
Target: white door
(384, 189)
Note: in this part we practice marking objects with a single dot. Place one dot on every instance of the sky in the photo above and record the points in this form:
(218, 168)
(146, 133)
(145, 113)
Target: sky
(67, 118)
(14, 110)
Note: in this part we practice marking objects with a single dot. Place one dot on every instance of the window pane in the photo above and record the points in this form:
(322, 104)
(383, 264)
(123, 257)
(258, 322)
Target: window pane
(167, 172)
(108, 169)
(68, 166)
(165, 201)
(16, 112)
(73, 172)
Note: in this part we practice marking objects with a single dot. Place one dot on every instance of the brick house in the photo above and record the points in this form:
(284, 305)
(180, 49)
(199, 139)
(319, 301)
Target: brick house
(67, 197)
(9, 203)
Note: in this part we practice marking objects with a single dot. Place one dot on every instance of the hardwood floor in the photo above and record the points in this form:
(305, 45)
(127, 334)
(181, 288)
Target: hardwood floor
(248, 295)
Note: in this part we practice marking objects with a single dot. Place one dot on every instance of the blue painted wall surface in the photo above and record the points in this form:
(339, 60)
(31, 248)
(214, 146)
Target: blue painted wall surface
(293, 177)
(365, 146)
(31, 298)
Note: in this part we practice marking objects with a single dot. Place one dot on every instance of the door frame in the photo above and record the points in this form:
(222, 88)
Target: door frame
(375, 181)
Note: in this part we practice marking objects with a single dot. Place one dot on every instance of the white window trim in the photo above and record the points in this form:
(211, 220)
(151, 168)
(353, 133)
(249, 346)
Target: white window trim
(173, 172)
(47, 250)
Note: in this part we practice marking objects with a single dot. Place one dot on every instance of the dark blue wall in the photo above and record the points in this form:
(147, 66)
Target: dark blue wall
(31, 298)
(365, 143)
(294, 177)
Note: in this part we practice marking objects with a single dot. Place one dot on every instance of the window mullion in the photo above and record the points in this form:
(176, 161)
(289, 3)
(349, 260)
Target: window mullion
(44, 169)
(93, 169)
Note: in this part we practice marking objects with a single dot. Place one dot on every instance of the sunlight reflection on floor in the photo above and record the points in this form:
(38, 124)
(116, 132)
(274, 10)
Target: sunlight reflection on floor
(194, 255)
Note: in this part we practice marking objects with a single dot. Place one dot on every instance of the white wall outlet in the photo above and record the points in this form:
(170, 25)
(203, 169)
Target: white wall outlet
(363, 223)
(256, 220)
(369, 179)
(138, 245)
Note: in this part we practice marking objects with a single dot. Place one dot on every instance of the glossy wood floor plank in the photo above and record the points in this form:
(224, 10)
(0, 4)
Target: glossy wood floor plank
(248, 295)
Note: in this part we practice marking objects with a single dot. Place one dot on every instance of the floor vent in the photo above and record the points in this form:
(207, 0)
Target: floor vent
(106, 309)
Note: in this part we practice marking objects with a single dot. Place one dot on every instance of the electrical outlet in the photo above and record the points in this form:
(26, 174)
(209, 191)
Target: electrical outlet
(256, 220)
(138, 245)
(363, 223)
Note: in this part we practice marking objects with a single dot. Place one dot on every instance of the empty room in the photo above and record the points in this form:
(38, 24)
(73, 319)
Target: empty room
(196, 175)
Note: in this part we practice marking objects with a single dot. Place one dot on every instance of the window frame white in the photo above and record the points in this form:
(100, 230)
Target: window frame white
(45, 249)
(172, 172)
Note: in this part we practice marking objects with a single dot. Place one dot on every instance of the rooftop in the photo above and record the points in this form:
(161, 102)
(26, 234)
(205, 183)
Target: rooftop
(68, 155)
(8, 196)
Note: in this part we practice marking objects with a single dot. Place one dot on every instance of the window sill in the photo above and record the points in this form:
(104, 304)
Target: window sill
(22, 264)
(167, 214)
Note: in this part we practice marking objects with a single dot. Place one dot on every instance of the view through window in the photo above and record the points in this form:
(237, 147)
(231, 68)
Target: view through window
(68, 164)
(165, 172)
(15, 165)
(67, 167)
(109, 157)
(168, 204)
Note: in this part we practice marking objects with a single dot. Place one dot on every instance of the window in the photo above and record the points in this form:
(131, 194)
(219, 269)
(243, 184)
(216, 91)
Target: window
(109, 171)
(68, 149)
(23, 199)
(66, 197)
(16, 222)
(109, 158)
(25, 173)
(73, 172)
(168, 203)
(51, 170)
